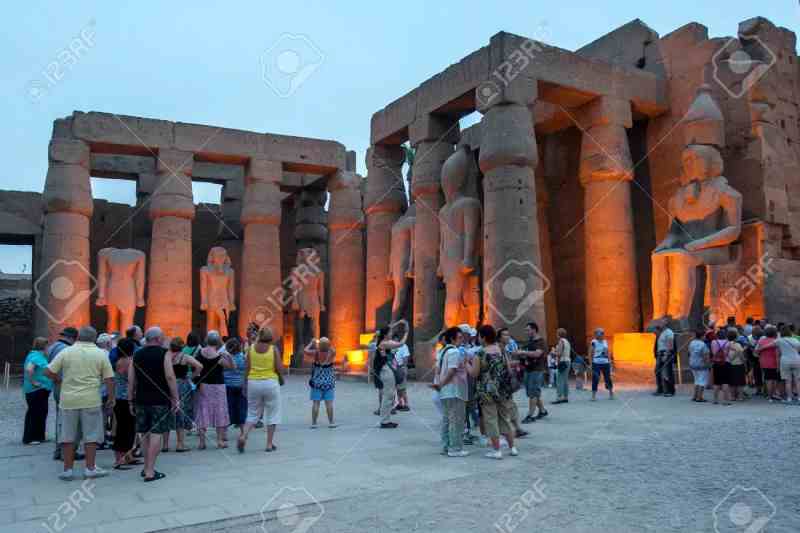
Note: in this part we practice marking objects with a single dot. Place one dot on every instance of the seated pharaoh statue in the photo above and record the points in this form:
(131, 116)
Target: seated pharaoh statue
(705, 217)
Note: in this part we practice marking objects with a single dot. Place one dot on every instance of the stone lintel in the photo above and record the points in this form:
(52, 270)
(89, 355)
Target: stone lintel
(174, 161)
(69, 152)
(605, 110)
(262, 169)
(433, 128)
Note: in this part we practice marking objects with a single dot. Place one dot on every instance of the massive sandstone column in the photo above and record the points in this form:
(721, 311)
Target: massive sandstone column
(612, 284)
(65, 284)
(514, 283)
(433, 138)
(384, 201)
(169, 289)
(262, 295)
(346, 261)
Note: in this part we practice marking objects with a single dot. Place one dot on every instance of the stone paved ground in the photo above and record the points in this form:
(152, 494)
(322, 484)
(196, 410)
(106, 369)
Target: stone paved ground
(635, 464)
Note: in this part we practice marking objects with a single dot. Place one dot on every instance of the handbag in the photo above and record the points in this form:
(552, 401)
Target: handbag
(515, 382)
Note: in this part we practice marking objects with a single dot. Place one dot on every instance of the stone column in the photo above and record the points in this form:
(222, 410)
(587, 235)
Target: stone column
(169, 281)
(262, 297)
(64, 284)
(433, 138)
(514, 282)
(612, 284)
(384, 201)
(346, 262)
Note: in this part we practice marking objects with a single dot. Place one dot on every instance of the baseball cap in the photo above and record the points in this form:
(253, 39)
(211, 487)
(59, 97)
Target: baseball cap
(467, 329)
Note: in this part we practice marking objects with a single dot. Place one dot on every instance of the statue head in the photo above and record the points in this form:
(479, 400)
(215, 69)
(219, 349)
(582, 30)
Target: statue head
(454, 173)
(700, 163)
(218, 257)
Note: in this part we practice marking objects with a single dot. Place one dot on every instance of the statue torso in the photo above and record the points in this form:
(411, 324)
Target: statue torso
(697, 208)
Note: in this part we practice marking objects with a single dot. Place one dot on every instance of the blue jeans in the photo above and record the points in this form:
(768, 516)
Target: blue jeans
(562, 383)
(605, 369)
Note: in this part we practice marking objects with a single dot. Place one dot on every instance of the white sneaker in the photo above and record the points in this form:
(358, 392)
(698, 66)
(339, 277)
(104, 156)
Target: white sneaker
(66, 475)
(483, 441)
(93, 474)
(514, 451)
(460, 453)
(494, 454)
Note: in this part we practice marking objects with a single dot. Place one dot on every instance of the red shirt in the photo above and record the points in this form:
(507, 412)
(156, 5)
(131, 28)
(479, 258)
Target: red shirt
(768, 357)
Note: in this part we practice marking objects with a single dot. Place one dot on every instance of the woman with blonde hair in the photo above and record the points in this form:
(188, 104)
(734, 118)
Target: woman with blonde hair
(264, 376)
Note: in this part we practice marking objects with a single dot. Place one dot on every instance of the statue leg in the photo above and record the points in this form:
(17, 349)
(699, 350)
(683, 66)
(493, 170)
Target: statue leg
(682, 284)
(454, 300)
(401, 284)
(660, 285)
(211, 321)
(112, 324)
(314, 315)
(125, 319)
(223, 325)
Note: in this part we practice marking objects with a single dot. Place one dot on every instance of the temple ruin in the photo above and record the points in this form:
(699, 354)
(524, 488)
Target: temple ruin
(548, 209)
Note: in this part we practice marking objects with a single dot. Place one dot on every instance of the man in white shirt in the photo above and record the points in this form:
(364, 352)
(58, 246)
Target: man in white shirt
(401, 358)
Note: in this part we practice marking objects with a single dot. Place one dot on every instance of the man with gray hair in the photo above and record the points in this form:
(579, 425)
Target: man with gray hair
(83, 368)
(153, 397)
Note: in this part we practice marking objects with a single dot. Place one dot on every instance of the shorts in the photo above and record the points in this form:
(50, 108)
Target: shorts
(497, 417)
(720, 373)
(792, 370)
(700, 377)
(770, 374)
(156, 419)
(319, 395)
(89, 422)
(737, 375)
(534, 381)
(402, 374)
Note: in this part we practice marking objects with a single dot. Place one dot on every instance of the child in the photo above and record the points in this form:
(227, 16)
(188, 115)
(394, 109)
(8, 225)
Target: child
(579, 367)
(552, 365)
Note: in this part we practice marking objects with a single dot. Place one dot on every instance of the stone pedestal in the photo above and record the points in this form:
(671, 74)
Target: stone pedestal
(169, 289)
(514, 282)
(262, 295)
(346, 262)
(383, 204)
(63, 290)
(612, 285)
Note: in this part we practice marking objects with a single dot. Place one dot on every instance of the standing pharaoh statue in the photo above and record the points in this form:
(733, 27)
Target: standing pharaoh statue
(120, 285)
(308, 288)
(401, 261)
(706, 216)
(460, 234)
(217, 290)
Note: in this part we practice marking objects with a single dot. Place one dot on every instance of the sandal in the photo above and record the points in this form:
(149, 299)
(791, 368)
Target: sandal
(122, 466)
(182, 450)
(240, 444)
(271, 449)
(156, 476)
(164, 450)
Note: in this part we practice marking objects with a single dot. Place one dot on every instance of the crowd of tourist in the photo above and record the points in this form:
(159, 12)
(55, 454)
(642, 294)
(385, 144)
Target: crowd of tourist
(131, 392)
(736, 361)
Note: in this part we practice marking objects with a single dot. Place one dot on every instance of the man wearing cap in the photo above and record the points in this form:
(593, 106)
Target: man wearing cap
(65, 339)
(468, 348)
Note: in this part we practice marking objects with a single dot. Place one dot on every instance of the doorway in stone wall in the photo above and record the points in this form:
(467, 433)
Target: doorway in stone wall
(16, 301)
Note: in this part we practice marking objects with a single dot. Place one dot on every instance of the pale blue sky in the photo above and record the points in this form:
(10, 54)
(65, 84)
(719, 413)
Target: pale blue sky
(201, 62)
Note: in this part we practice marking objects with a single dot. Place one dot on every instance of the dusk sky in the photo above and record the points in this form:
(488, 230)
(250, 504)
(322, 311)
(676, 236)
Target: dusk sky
(201, 63)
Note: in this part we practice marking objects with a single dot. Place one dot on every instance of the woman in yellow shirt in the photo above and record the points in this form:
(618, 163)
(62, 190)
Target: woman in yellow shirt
(264, 377)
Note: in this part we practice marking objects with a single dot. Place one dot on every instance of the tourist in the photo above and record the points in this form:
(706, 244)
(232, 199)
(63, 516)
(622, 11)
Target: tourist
(767, 351)
(754, 378)
(579, 368)
(387, 373)
(36, 386)
(84, 367)
(789, 363)
(211, 401)
(736, 370)
(377, 360)
(602, 359)
(491, 369)
(66, 338)
(747, 329)
(665, 361)
(104, 342)
(234, 385)
(450, 382)
(533, 353)
(402, 356)
(720, 366)
(135, 333)
(323, 379)
(264, 377)
(153, 394)
(183, 366)
(468, 349)
(509, 346)
(700, 364)
(552, 369)
(563, 354)
(124, 421)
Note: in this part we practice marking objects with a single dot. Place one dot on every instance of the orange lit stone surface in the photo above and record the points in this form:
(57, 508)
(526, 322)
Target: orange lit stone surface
(633, 356)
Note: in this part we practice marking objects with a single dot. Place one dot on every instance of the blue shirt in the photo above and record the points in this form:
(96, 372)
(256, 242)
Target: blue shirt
(39, 362)
(234, 376)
